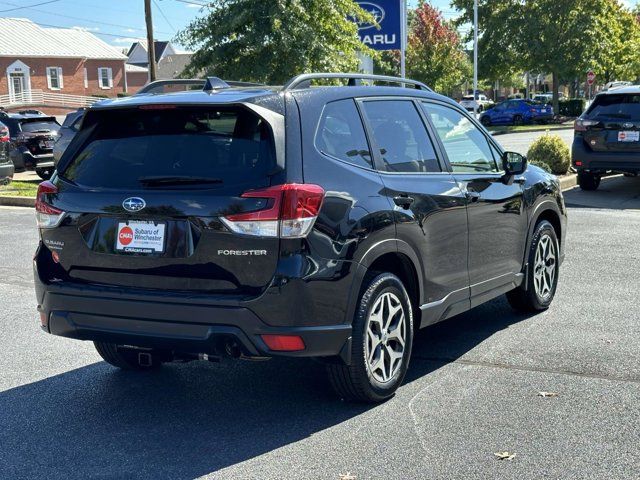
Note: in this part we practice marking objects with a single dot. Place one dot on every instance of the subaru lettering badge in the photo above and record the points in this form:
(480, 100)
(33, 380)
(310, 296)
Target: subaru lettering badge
(376, 11)
(133, 204)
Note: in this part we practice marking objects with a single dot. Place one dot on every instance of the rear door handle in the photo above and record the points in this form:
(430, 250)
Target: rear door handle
(472, 196)
(403, 201)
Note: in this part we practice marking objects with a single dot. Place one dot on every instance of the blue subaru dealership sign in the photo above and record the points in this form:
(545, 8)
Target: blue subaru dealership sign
(388, 33)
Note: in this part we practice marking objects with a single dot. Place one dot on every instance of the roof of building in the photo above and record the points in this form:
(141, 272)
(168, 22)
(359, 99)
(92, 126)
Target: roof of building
(172, 66)
(159, 47)
(129, 68)
(22, 37)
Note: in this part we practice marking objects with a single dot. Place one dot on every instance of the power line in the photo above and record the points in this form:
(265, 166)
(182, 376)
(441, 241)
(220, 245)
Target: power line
(86, 19)
(164, 16)
(188, 2)
(28, 6)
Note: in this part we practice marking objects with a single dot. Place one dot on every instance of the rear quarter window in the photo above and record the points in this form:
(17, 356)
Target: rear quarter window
(232, 145)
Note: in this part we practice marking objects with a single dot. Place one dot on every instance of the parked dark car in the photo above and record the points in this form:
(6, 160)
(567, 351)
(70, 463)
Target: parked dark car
(517, 112)
(67, 131)
(607, 137)
(32, 138)
(325, 222)
(6, 167)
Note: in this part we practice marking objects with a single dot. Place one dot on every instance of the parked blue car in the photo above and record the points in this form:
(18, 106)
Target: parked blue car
(517, 112)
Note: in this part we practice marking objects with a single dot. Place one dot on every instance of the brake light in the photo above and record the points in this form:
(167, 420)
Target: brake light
(291, 211)
(582, 125)
(284, 343)
(157, 107)
(46, 215)
(4, 135)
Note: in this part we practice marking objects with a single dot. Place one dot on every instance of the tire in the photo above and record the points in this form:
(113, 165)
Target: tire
(480, 108)
(486, 121)
(588, 181)
(126, 358)
(517, 120)
(364, 379)
(44, 174)
(539, 292)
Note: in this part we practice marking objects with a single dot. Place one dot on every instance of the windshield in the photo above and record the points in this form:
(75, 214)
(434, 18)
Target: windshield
(230, 146)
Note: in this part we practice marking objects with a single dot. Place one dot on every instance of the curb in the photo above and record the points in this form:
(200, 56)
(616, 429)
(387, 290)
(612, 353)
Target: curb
(17, 201)
(568, 182)
(550, 130)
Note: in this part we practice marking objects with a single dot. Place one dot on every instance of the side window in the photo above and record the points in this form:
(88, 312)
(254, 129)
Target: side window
(400, 134)
(467, 148)
(341, 134)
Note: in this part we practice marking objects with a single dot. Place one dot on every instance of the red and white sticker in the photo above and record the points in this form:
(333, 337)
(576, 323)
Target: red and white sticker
(140, 237)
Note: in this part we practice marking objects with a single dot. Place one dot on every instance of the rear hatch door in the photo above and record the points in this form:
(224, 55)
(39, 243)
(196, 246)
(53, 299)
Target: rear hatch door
(39, 134)
(146, 192)
(614, 123)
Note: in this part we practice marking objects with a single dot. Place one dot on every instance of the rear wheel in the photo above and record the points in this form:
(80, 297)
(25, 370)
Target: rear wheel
(588, 181)
(44, 173)
(128, 358)
(382, 340)
(542, 274)
(517, 119)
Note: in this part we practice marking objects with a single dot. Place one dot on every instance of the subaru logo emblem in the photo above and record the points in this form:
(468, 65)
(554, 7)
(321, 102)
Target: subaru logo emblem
(627, 125)
(376, 11)
(134, 204)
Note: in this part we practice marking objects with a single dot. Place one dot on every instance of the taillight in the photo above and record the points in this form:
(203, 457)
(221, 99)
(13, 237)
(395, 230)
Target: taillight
(46, 215)
(582, 125)
(4, 135)
(291, 211)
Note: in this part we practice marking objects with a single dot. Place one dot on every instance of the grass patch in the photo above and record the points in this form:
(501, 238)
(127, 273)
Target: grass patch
(529, 128)
(19, 189)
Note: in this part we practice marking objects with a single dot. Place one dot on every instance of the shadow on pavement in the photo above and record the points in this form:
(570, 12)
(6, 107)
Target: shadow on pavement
(185, 421)
(615, 192)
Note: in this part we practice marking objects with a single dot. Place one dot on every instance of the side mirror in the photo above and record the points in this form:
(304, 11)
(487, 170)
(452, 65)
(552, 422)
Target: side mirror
(514, 163)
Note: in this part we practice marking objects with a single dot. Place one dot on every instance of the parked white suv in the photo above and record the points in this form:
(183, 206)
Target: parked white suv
(482, 102)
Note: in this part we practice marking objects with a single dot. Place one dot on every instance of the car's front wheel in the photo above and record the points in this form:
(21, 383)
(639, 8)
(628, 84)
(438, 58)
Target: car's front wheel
(539, 288)
(128, 358)
(486, 121)
(588, 181)
(381, 342)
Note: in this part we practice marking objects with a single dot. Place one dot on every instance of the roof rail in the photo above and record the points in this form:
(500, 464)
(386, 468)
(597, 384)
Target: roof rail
(304, 80)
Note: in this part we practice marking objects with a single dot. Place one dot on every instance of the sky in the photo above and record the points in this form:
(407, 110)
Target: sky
(121, 22)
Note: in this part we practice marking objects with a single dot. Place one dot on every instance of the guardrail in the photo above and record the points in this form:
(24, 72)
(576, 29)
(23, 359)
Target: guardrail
(40, 98)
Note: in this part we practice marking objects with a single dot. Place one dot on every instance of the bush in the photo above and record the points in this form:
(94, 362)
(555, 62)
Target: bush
(552, 151)
(123, 94)
(542, 165)
(572, 107)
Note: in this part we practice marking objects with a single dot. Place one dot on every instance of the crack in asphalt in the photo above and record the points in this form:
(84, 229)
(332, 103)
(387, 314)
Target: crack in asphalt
(445, 361)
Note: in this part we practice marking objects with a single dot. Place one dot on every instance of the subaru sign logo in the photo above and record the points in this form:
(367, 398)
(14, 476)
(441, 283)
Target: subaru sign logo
(386, 33)
(134, 204)
(375, 11)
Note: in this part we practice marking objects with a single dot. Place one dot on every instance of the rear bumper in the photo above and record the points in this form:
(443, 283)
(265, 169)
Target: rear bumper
(25, 160)
(601, 162)
(6, 171)
(154, 320)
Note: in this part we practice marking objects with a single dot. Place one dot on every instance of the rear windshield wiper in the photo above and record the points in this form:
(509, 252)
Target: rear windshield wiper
(177, 180)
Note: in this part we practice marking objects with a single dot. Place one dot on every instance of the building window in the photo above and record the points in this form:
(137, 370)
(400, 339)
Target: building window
(54, 78)
(86, 79)
(105, 78)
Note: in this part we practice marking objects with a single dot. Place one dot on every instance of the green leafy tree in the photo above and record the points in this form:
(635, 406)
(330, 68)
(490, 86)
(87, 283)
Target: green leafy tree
(272, 40)
(435, 54)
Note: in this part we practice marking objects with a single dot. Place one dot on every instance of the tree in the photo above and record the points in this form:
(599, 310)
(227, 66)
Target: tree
(435, 54)
(271, 41)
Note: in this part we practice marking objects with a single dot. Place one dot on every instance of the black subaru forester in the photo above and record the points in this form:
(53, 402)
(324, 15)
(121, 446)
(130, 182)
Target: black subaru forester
(317, 221)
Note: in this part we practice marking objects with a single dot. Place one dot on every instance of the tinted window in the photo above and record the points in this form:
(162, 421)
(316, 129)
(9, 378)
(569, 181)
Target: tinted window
(232, 145)
(625, 107)
(467, 148)
(46, 126)
(401, 136)
(341, 134)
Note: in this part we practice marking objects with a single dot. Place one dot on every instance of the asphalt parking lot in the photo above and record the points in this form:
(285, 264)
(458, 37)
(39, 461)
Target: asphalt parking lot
(520, 142)
(472, 389)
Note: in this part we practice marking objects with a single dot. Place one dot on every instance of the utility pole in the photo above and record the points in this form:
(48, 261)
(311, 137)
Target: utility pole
(475, 56)
(150, 42)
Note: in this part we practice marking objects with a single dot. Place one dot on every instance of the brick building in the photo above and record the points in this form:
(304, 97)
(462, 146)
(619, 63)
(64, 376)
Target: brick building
(58, 61)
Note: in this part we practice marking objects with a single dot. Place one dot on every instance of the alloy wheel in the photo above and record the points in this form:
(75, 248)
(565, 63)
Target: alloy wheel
(545, 266)
(386, 335)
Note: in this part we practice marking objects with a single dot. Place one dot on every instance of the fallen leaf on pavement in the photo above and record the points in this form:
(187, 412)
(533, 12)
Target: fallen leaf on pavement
(505, 455)
(547, 394)
(347, 476)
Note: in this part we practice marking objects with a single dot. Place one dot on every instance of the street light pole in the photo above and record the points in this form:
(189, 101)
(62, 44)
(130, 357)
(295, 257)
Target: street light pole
(475, 56)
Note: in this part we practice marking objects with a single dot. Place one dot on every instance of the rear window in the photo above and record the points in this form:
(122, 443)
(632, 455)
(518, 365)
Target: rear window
(230, 145)
(616, 106)
(31, 126)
